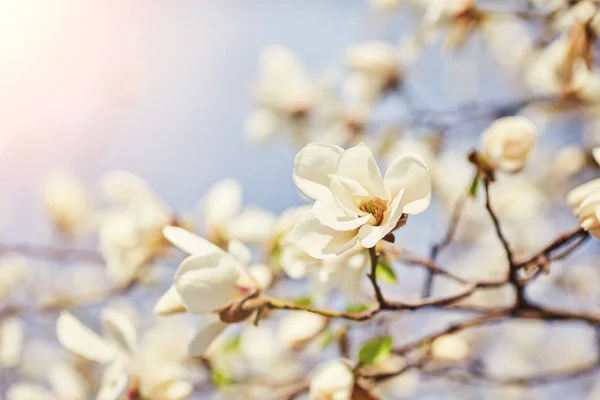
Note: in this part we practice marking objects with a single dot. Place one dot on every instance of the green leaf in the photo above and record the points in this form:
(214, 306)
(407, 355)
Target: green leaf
(219, 378)
(305, 301)
(375, 351)
(474, 186)
(357, 308)
(385, 273)
(232, 345)
(327, 338)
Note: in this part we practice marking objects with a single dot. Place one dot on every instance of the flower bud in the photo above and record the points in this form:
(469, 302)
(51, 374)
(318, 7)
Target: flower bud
(508, 143)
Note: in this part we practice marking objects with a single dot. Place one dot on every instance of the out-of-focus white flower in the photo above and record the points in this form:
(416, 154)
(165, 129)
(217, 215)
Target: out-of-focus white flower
(118, 351)
(353, 203)
(377, 60)
(332, 380)
(14, 270)
(130, 233)
(284, 92)
(585, 200)
(401, 386)
(207, 282)
(224, 219)
(65, 381)
(11, 342)
(297, 328)
(66, 202)
(450, 347)
(508, 143)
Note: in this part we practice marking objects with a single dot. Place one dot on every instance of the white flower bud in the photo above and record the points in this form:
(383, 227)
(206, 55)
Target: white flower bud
(450, 347)
(508, 143)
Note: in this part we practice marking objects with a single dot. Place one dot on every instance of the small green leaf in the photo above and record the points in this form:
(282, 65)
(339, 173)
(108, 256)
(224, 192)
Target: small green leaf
(357, 308)
(385, 273)
(327, 338)
(474, 185)
(232, 345)
(219, 378)
(305, 301)
(375, 350)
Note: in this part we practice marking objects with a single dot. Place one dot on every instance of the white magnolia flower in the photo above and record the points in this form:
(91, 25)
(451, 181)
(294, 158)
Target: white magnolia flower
(120, 353)
(206, 283)
(130, 233)
(353, 203)
(450, 347)
(333, 380)
(508, 143)
(66, 202)
(585, 200)
(65, 381)
(11, 342)
(298, 327)
(376, 60)
(225, 219)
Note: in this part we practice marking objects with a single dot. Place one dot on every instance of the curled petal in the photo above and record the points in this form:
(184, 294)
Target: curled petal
(120, 328)
(312, 167)
(81, 340)
(358, 163)
(320, 241)
(328, 212)
(410, 173)
(206, 282)
(189, 242)
(115, 381)
(210, 328)
(348, 193)
(577, 195)
(169, 303)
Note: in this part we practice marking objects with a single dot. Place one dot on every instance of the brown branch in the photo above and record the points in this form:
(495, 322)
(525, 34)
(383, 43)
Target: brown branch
(374, 257)
(565, 238)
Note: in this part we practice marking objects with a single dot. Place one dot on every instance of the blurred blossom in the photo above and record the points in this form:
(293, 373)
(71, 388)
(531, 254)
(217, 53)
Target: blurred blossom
(67, 202)
(332, 380)
(585, 200)
(12, 331)
(209, 281)
(65, 381)
(378, 61)
(507, 144)
(353, 203)
(296, 328)
(225, 219)
(128, 367)
(130, 233)
(14, 269)
(450, 347)
(401, 386)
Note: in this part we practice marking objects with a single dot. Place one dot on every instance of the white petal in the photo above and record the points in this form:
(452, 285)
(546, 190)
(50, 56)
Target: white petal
(240, 251)
(252, 225)
(410, 173)
(320, 241)
(28, 391)
(177, 390)
(67, 383)
(297, 327)
(328, 212)
(11, 341)
(596, 154)
(189, 242)
(115, 381)
(169, 303)
(262, 274)
(348, 193)
(206, 282)
(210, 327)
(312, 167)
(576, 196)
(370, 235)
(124, 186)
(357, 163)
(222, 202)
(120, 328)
(333, 380)
(81, 340)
